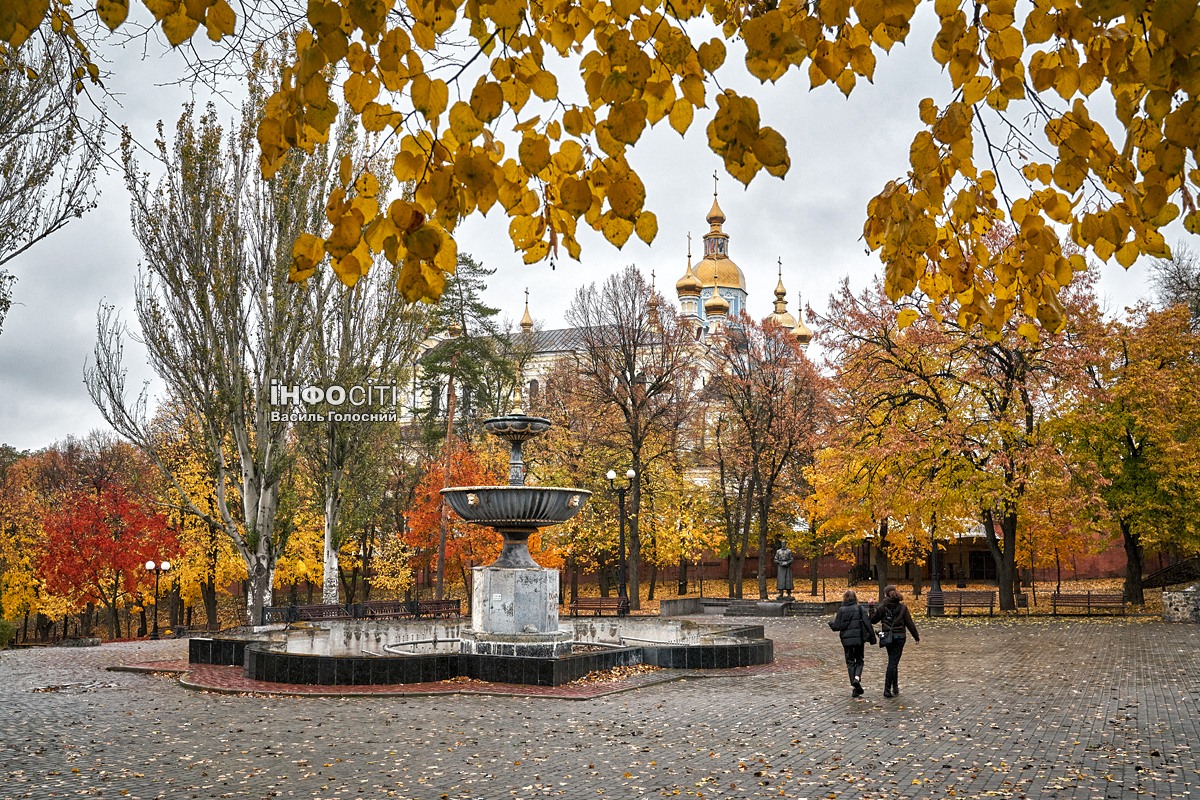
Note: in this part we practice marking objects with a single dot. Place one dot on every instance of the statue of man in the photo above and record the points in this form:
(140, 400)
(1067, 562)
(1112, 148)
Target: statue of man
(783, 575)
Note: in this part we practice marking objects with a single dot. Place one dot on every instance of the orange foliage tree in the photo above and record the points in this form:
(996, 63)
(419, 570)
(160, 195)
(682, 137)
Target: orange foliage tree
(467, 545)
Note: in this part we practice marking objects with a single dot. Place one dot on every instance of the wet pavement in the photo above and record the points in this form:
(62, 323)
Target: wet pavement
(1033, 707)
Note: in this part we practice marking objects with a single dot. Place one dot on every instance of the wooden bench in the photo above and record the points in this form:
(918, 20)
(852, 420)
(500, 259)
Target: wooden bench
(599, 605)
(1087, 601)
(439, 608)
(960, 599)
(321, 611)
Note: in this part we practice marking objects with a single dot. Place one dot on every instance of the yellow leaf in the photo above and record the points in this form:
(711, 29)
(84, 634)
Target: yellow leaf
(907, 317)
(681, 116)
(976, 89)
(487, 101)
(423, 242)
(616, 229)
(179, 27)
(646, 226)
(544, 85)
(693, 89)
(534, 152)
(711, 55)
(463, 123)
(360, 89)
(771, 148)
(112, 12)
(220, 21)
(307, 252)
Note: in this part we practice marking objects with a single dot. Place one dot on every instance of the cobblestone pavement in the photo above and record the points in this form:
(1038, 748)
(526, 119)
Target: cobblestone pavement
(1038, 708)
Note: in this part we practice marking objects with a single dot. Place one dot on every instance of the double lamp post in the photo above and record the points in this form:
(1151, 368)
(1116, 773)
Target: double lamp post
(622, 594)
(158, 568)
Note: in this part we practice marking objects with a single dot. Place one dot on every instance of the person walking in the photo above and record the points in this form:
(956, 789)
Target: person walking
(897, 622)
(856, 632)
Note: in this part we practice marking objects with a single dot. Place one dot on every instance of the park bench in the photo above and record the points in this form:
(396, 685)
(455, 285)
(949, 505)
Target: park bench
(599, 605)
(957, 600)
(321, 611)
(1087, 601)
(439, 608)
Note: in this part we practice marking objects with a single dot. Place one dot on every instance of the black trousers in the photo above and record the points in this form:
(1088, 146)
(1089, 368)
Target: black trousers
(854, 660)
(891, 680)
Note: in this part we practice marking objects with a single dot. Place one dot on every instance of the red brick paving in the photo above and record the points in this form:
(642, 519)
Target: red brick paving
(230, 680)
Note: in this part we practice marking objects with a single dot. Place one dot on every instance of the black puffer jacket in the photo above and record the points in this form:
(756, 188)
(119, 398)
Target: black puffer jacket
(851, 623)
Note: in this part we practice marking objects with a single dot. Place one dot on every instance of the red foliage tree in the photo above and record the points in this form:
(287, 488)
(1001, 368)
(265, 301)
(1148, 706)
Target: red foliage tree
(98, 543)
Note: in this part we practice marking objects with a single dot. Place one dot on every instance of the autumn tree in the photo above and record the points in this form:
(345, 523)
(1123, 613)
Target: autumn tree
(775, 409)
(977, 399)
(206, 561)
(364, 346)
(466, 545)
(1176, 280)
(48, 159)
(222, 325)
(637, 359)
(1141, 433)
(98, 543)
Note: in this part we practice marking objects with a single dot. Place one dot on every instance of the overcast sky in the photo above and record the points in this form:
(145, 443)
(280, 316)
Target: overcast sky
(843, 152)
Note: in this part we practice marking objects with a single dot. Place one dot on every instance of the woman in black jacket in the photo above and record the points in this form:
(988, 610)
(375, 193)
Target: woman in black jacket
(851, 623)
(896, 620)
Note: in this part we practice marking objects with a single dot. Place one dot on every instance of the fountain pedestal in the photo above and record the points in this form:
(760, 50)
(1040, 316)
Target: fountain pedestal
(508, 600)
(514, 612)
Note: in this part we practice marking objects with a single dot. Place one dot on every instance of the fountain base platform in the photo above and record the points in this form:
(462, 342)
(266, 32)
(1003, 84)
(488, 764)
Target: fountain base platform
(351, 652)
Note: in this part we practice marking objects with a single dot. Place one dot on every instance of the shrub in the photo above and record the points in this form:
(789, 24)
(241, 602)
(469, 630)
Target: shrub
(7, 632)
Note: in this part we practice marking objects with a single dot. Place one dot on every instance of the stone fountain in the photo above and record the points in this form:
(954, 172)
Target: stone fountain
(514, 600)
(514, 635)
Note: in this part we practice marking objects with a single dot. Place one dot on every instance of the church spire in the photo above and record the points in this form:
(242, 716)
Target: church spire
(802, 332)
(526, 320)
(781, 317)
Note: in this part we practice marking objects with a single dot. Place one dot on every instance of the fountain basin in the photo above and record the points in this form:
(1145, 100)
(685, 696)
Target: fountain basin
(515, 512)
(351, 652)
(516, 508)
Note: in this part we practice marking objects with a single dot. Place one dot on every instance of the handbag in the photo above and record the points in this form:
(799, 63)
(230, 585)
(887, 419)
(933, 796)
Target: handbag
(888, 635)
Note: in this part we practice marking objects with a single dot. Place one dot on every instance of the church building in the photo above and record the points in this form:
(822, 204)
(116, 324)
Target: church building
(710, 295)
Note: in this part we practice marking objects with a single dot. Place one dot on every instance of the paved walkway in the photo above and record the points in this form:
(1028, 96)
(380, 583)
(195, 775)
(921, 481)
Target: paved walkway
(1036, 708)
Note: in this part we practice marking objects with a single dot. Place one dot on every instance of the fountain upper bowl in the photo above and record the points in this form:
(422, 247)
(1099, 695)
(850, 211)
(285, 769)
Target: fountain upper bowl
(516, 506)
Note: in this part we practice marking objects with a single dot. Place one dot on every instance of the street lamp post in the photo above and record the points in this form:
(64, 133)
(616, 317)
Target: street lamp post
(622, 593)
(158, 569)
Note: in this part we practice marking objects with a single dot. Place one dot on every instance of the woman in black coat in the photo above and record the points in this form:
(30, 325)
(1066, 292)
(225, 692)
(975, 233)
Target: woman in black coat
(896, 621)
(851, 623)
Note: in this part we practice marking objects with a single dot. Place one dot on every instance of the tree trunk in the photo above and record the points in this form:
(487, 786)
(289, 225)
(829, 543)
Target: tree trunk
(208, 594)
(329, 578)
(1003, 549)
(681, 579)
(814, 570)
(259, 588)
(762, 545)
(1135, 563)
(883, 565)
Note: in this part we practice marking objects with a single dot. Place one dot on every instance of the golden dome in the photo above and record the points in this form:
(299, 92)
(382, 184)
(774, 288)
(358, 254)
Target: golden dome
(690, 284)
(781, 317)
(720, 271)
(526, 320)
(716, 306)
(802, 332)
(715, 215)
